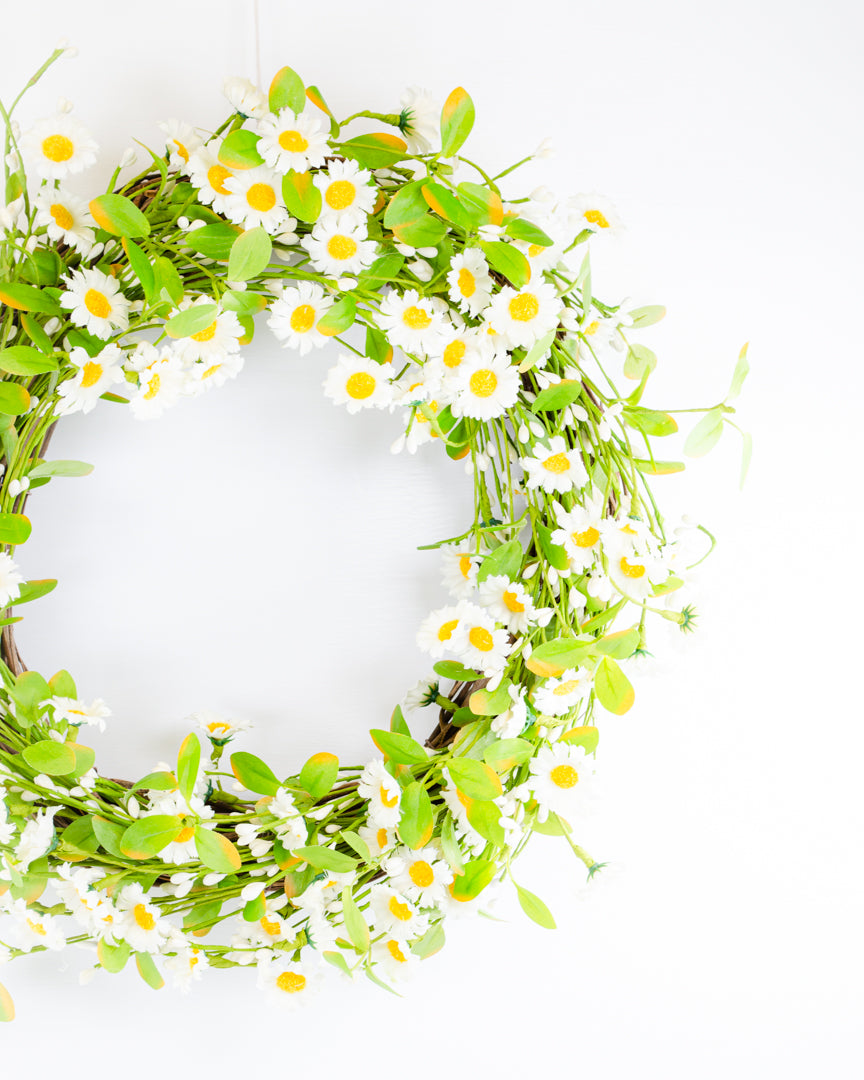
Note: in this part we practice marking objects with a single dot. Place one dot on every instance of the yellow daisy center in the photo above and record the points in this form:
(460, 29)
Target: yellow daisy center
(210, 371)
(37, 928)
(293, 142)
(399, 910)
(341, 247)
(302, 318)
(480, 638)
(216, 177)
(97, 303)
(261, 197)
(91, 374)
(585, 539)
(433, 406)
(153, 387)
(270, 926)
(143, 917)
(185, 834)
(416, 318)
(207, 334)
(446, 629)
(421, 873)
(360, 385)
(218, 727)
(557, 463)
(524, 307)
(483, 382)
(535, 249)
(340, 194)
(181, 149)
(591, 328)
(381, 838)
(565, 688)
(465, 565)
(292, 982)
(58, 148)
(596, 218)
(511, 602)
(631, 570)
(62, 216)
(386, 798)
(564, 776)
(467, 283)
(454, 354)
(395, 951)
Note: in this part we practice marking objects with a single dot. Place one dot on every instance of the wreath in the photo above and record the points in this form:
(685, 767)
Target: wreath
(474, 320)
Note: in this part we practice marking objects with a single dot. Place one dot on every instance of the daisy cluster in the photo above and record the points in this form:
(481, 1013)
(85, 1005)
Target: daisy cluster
(473, 319)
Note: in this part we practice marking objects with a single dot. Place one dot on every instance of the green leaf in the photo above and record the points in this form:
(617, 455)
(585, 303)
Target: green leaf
(28, 693)
(416, 818)
(243, 303)
(7, 1005)
(619, 645)
(612, 687)
(255, 909)
(85, 756)
(534, 908)
(505, 560)
(742, 370)
(188, 761)
(457, 120)
(482, 204)
(156, 781)
(339, 318)
(587, 736)
(216, 851)
(14, 529)
(61, 683)
(450, 846)
(148, 971)
(319, 774)
(474, 879)
(429, 231)
(14, 399)
(552, 658)
(317, 99)
(113, 957)
(147, 836)
(537, 351)
(554, 554)
(484, 817)
(639, 362)
(474, 778)
(61, 468)
(142, 268)
(444, 203)
(554, 825)
(287, 91)
(191, 321)
(433, 941)
(337, 960)
(254, 774)
(507, 753)
(109, 834)
(375, 151)
(658, 468)
(239, 150)
(649, 421)
(355, 924)
(50, 757)
(27, 298)
(397, 722)
(324, 858)
(491, 702)
(36, 332)
(213, 241)
(23, 360)
(119, 216)
(167, 280)
(508, 260)
(704, 436)
(33, 590)
(385, 269)
(647, 316)
(399, 748)
(302, 197)
(378, 348)
(353, 840)
(558, 396)
(527, 231)
(250, 254)
(452, 669)
(79, 837)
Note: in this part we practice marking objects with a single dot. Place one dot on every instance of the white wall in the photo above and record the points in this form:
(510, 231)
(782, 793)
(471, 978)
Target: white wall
(253, 551)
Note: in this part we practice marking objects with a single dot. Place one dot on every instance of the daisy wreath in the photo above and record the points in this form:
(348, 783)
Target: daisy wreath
(472, 317)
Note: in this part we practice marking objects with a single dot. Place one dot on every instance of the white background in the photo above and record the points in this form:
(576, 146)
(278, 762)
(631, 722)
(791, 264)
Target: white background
(253, 551)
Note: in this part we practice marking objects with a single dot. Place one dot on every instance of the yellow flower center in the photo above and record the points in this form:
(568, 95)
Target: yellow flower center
(416, 318)
(261, 197)
(395, 951)
(58, 148)
(360, 385)
(37, 928)
(207, 334)
(524, 307)
(480, 638)
(62, 216)
(446, 629)
(97, 303)
(210, 371)
(565, 688)
(216, 177)
(181, 149)
(564, 776)
(91, 373)
(292, 982)
(339, 194)
(302, 318)
(270, 926)
(421, 873)
(465, 565)
(398, 910)
(386, 798)
(511, 602)
(153, 387)
(535, 249)
(454, 354)
(433, 407)
(185, 834)
(596, 218)
(557, 463)
(631, 570)
(293, 142)
(218, 727)
(483, 382)
(591, 328)
(466, 282)
(143, 917)
(341, 247)
(381, 838)
(585, 539)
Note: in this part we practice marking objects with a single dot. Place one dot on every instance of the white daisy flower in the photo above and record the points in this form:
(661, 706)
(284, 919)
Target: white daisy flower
(186, 966)
(594, 212)
(220, 337)
(633, 573)
(338, 247)
(422, 876)
(555, 468)
(295, 313)
(435, 635)
(560, 778)
(161, 380)
(95, 302)
(244, 96)
(10, 582)
(192, 812)
(460, 563)
(393, 956)
(77, 712)
(290, 827)
(93, 377)
(33, 930)
(556, 697)
(274, 925)
(394, 913)
(485, 387)
(457, 344)
(420, 431)
(412, 322)
(66, 218)
(36, 837)
(139, 922)
(212, 373)
(579, 531)
(524, 317)
(421, 113)
(255, 199)
(379, 838)
(479, 643)
(507, 602)
(358, 383)
(469, 281)
(216, 727)
(58, 147)
(292, 142)
(210, 176)
(421, 695)
(181, 141)
(288, 982)
(382, 792)
(346, 191)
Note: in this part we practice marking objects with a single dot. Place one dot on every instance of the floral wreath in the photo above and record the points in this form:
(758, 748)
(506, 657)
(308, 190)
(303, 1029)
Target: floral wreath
(475, 320)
